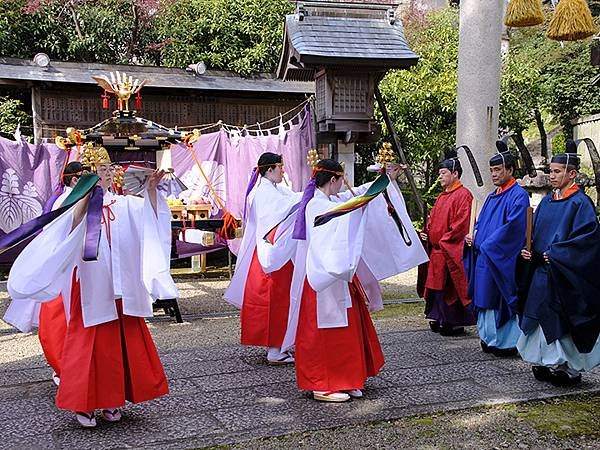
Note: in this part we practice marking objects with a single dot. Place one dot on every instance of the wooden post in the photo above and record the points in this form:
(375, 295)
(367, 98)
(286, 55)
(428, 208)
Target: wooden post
(398, 147)
(529, 228)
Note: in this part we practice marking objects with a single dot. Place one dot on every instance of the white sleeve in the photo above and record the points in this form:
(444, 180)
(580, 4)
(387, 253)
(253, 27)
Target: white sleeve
(38, 272)
(156, 249)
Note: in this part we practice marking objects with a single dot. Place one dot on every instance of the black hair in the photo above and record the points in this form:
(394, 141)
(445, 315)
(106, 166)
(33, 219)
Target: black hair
(322, 177)
(71, 171)
(447, 164)
(267, 161)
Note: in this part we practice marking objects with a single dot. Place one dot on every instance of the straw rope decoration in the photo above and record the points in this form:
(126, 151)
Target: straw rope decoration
(524, 13)
(572, 21)
(227, 231)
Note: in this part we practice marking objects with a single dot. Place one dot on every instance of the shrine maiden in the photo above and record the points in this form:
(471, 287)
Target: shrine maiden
(263, 275)
(337, 266)
(115, 249)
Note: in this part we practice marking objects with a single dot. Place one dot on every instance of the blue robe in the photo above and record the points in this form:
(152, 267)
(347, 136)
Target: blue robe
(490, 263)
(562, 297)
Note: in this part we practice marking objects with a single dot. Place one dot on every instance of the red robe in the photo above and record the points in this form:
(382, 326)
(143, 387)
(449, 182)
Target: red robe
(447, 227)
(335, 359)
(52, 329)
(264, 315)
(104, 365)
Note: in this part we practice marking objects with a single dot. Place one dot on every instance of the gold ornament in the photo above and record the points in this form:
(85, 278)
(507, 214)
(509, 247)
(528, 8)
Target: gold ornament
(312, 157)
(119, 176)
(122, 86)
(191, 137)
(62, 142)
(93, 156)
(386, 154)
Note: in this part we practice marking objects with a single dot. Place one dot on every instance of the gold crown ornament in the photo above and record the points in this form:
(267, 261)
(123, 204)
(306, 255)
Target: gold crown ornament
(93, 155)
(312, 157)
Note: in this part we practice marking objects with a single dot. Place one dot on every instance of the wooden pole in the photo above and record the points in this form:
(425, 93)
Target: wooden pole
(401, 154)
(473, 218)
(529, 228)
(36, 108)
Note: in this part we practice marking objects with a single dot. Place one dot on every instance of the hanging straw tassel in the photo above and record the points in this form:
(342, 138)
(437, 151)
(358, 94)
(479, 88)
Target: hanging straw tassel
(524, 13)
(572, 21)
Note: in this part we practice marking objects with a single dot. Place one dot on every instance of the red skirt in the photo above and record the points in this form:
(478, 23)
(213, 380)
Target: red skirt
(266, 305)
(52, 330)
(335, 359)
(104, 365)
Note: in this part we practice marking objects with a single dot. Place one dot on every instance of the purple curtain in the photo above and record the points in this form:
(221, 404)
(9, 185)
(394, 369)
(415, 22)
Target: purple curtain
(29, 174)
(227, 158)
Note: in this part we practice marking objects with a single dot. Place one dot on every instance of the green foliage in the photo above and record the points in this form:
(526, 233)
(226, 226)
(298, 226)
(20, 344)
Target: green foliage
(542, 74)
(559, 144)
(93, 31)
(244, 37)
(422, 101)
(11, 115)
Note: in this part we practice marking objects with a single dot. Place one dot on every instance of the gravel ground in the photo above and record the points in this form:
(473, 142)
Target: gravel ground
(517, 426)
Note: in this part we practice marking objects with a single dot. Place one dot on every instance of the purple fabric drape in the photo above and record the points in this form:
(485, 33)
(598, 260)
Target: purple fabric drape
(228, 160)
(29, 174)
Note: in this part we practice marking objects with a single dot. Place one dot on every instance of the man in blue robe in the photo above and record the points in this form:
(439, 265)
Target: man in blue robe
(491, 257)
(561, 314)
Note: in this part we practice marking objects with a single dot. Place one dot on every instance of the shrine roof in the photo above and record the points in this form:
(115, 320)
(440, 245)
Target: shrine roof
(343, 39)
(21, 71)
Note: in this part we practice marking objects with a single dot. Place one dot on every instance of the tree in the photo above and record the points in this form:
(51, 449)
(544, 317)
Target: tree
(422, 101)
(244, 37)
(12, 115)
(542, 77)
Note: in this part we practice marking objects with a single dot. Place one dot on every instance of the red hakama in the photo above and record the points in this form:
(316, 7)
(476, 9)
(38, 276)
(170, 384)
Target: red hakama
(336, 359)
(106, 364)
(266, 305)
(52, 329)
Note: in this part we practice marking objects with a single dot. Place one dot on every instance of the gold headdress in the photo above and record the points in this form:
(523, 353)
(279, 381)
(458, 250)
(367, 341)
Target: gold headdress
(312, 158)
(93, 155)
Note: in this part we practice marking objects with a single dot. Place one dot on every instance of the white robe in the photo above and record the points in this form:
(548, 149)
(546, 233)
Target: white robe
(365, 242)
(24, 314)
(137, 261)
(269, 206)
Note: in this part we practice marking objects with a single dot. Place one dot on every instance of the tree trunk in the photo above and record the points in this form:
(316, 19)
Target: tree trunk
(543, 136)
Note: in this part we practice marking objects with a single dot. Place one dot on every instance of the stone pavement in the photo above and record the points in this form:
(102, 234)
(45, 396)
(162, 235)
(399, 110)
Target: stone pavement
(223, 393)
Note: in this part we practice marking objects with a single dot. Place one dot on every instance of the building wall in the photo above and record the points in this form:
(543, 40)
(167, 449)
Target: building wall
(82, 109)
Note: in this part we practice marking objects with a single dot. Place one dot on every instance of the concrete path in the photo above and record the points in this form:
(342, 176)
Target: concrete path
(224, 393)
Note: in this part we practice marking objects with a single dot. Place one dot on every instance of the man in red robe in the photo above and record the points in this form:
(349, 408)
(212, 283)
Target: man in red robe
(446, 300)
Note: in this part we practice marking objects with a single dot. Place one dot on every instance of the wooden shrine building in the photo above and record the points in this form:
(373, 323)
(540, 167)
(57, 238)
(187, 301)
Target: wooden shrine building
(64, 95)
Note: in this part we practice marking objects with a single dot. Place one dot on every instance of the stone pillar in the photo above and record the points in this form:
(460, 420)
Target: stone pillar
(346, 155)
(479, 71)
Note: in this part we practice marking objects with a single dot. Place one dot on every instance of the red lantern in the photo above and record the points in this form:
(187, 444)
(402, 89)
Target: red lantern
(138, 101)
(105, 98)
